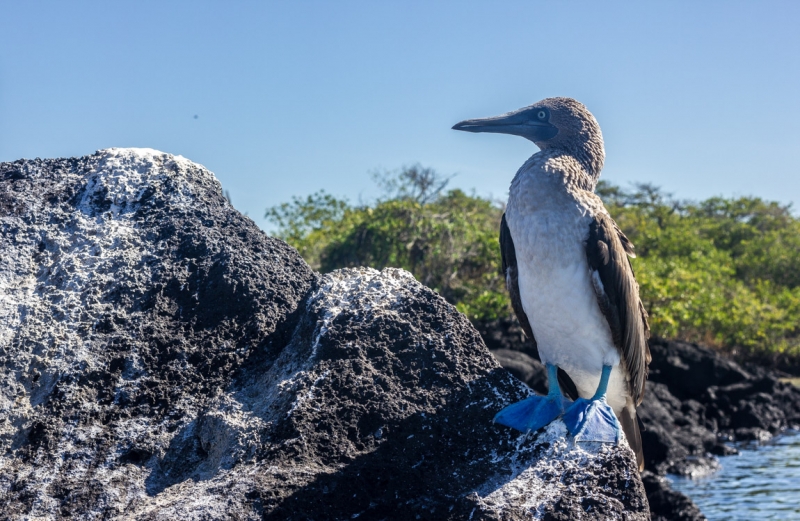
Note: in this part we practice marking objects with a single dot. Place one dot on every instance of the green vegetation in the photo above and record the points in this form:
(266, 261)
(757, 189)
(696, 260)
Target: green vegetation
(447, 239)
(725, 272)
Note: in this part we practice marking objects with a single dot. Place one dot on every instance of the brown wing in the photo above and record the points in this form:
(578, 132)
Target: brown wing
(607, 250)
(508, 256)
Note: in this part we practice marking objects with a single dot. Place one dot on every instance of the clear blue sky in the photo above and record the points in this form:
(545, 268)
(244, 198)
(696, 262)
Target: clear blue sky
(701, 98)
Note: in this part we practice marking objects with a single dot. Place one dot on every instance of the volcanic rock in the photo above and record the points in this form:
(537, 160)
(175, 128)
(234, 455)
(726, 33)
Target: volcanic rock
(164, 359)
(667, 504)
(697, 401)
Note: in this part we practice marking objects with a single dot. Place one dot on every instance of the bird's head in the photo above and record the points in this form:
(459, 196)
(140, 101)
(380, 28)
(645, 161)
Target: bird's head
(553, 123)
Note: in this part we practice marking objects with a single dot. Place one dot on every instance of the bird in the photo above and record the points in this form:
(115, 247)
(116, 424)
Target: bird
(570, 280)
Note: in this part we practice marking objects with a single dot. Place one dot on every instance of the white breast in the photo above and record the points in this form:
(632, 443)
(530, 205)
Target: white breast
(549, 227)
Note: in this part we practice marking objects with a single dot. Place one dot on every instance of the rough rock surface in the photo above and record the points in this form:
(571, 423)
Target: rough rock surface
(696, 402)
(164, 359)
(736, 397)
(667, 504)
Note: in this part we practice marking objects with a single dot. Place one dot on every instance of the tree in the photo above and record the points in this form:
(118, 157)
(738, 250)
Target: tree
(446, 238)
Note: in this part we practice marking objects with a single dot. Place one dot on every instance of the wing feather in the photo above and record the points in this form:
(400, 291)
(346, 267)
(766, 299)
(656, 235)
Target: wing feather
(508, 256)
(607, 251)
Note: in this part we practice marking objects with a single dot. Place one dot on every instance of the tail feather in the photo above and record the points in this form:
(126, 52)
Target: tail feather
(630, 426)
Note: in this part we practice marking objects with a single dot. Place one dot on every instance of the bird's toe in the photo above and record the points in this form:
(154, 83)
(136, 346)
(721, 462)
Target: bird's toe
(592, 421)
(532, 413)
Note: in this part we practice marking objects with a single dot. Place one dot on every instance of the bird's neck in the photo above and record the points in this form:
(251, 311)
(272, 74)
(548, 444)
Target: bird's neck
(590, 153)
(577, 167)
(591, 156)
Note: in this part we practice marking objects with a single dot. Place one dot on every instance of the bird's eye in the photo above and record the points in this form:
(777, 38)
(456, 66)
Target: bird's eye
(542, 114)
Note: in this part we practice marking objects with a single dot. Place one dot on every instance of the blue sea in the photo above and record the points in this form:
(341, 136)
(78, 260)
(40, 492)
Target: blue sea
(761, 482)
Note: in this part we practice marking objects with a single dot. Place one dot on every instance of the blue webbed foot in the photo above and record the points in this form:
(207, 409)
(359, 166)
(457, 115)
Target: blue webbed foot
(535, 412)
(594, 419)
(531, 413)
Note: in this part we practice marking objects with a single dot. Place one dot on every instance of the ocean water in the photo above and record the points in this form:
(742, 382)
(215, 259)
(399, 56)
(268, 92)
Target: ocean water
(761, 482)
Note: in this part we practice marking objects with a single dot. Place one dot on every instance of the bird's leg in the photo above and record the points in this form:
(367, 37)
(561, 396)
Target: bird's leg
(535, 412)
(594, 419)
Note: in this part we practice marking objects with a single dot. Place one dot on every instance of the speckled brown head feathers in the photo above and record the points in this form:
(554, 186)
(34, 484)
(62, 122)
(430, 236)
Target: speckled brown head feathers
(578, 132)
(561, 124)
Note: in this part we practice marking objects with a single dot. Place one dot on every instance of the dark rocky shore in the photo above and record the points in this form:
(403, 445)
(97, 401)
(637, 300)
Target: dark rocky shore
(698, 402)
(162, 358)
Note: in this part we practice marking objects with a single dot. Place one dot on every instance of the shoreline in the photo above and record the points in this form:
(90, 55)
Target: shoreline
(699, 405)
(761, 482)
(791, 380)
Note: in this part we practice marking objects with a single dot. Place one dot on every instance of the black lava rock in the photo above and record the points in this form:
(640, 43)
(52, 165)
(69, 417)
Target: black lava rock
(524, 367)
(164, 359)
(697, 401)
(667, 504)
(690, 369)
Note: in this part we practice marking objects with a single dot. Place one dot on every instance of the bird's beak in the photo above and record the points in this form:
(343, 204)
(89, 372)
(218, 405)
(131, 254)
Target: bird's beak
(522, 122)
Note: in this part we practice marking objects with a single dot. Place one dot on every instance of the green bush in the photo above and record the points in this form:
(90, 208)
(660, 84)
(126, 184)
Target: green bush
(723, 271)
(447, 239)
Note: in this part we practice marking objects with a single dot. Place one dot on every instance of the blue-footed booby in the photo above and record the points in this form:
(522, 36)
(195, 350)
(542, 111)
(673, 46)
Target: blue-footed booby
(569, 277)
